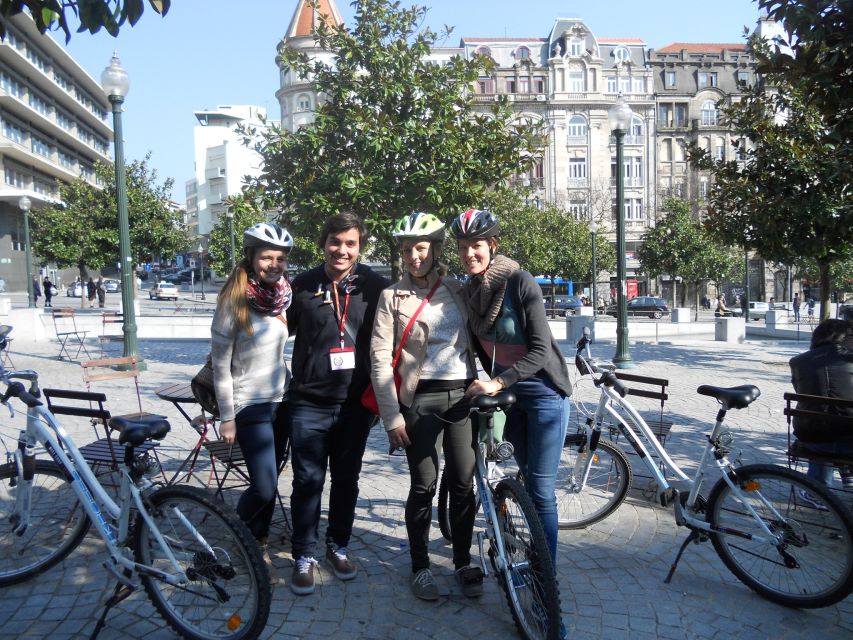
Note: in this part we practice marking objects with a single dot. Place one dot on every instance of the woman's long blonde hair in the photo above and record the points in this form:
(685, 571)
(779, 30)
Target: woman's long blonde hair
(233, 294)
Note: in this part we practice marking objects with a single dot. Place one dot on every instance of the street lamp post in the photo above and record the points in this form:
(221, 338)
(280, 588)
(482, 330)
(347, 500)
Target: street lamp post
(201, 267)
(620, 122)
(25, 203)
(592, 229)
(115, 82)
(229, 213)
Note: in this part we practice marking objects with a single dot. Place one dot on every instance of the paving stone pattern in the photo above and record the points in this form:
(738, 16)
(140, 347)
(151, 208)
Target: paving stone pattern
(611, 574)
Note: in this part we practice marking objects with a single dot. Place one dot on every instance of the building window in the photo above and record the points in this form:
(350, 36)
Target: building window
(720, 150)
(66, 159)
(484, 51)
(44, 187)
(539, 84)
(633, 209)
(577, 168)
(486, 86)
(743, 78)
(612, 85)
(15, 178)
(637, 127)
(577, 127)
(64, 120)
(707, 79)
(669, 79)
(511, 85)
(576, 82)
(638, 85)
(303, 103)
(87, 171)
(664, 115)
(625, 85)
(62, 81)
(524, 85)
(15, 134)
(38, 103)
(703, 188)
(578, 209)
(11, 86)
(709, 114)
(40, 147)
(522, 53)
(37, 60)
(681, 115)
(575, 47)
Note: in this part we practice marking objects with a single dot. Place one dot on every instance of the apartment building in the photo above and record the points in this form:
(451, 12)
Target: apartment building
(54, 128)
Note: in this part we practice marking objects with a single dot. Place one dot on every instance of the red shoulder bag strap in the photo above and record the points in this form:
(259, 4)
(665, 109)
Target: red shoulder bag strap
(412, 323)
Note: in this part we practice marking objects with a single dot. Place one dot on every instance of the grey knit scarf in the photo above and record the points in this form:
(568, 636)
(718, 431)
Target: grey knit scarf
(486, 293)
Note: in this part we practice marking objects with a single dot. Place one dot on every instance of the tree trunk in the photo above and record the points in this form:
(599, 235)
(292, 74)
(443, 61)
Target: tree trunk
(696, 299)
(84, 277)
(825, 285)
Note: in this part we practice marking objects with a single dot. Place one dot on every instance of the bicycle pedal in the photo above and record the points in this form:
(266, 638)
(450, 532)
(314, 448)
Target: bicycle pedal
(669, 496)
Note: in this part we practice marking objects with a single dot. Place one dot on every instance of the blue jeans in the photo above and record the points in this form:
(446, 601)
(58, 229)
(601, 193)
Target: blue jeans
(823, 472)
(536, 427)
(333, 435)
(262, 436)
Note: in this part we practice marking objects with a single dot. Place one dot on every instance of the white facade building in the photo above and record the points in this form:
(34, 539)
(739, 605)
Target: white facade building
(54, 127)
(221, 162)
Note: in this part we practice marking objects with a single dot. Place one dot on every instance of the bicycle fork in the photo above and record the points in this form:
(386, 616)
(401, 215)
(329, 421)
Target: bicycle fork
(25, 461)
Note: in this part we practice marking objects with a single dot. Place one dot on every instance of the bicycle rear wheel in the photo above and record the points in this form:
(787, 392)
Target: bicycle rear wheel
(812, 564)
(529, 581)
(58, 522)
(228, 593)
(605, 488)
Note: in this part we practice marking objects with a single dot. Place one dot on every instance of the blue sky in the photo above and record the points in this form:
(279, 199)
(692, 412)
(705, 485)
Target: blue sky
(203, 54)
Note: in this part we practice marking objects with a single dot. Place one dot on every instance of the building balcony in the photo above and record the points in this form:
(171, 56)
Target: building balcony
(629, 182)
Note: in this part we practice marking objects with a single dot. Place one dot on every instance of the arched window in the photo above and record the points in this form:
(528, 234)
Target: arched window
(522, 53)
(637, 127)
(484, 51)
(709, 113)
(303, 102)
(577, 126)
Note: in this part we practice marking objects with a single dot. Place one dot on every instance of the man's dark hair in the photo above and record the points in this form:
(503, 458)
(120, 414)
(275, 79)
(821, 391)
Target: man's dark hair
(344, 221)
(832, 331)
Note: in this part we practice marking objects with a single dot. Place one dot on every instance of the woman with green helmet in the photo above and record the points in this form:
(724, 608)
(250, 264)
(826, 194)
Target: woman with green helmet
(427, 411)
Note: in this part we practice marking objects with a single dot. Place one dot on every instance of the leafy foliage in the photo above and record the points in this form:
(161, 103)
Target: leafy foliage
(83, 230)
(394, 133)
(92, 14)
(680, 246)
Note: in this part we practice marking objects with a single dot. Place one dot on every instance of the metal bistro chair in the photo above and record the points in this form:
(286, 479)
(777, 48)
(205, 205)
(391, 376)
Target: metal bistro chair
(68, 335)
(5, 330)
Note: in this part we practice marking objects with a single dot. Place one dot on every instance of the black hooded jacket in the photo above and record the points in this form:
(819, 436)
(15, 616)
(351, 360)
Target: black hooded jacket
(826, 370)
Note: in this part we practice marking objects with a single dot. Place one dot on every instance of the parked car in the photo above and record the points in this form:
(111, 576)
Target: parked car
(112, 286)
(650, 306)
(74, 290)
(563, 306)
(163, 291)
(757, 310)
(179, 277)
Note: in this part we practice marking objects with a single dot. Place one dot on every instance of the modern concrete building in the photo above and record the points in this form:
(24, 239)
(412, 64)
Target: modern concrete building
(54, 127)
(221, 163)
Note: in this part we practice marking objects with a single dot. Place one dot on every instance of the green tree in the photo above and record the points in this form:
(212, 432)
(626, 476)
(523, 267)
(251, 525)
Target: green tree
(680, 246)
(82, 231)
(91, 14)
(394, 133)
(789, 197)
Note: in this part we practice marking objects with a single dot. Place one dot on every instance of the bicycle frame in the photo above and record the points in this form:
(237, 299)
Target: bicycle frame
(483, 477)
(111, 519)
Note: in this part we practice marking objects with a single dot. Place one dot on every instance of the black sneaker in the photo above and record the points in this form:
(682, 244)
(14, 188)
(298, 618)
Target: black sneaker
(423, 585)
(342, 567)
(470, 580)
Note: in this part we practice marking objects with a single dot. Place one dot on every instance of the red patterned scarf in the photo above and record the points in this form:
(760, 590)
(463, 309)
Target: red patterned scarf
(270, 301)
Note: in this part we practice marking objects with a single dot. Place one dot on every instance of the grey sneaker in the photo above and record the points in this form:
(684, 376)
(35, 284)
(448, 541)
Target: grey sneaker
(423, 585)
(342, 567)
(470, 580)
(302, 583)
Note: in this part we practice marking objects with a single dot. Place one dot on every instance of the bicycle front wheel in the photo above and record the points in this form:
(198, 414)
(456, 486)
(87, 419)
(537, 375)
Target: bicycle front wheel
(227, 594)
(528, 580)
(57, 525)
(811, 563)
(579, 503)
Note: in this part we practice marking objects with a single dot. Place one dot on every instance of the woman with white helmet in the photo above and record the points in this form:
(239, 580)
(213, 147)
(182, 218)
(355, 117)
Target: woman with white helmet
(429, 411)
(250, 375)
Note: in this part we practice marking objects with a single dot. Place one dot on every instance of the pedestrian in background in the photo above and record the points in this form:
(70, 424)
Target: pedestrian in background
(49, 291)
(91, 292)
(429, 412)
(36, 290)
(796, 305)
(332, 318)
(102, 293)
(248, 337)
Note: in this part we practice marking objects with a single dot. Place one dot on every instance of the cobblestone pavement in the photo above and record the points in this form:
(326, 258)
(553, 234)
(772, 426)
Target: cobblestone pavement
(611, 575)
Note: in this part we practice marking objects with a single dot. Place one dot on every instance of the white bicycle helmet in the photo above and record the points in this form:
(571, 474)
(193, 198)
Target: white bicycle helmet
(419, 225)
(267, 234)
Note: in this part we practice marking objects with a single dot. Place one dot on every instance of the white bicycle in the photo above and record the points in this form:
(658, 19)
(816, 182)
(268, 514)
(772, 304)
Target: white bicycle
(778, 531)
(196, 560)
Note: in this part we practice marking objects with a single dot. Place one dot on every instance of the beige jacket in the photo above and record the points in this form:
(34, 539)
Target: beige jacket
(396, 306)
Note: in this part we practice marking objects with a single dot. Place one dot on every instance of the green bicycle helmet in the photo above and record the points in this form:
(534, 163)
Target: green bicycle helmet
(419, 225)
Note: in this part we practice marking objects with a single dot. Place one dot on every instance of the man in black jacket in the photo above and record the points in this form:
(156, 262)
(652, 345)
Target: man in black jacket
(826, 369)
(332, 318)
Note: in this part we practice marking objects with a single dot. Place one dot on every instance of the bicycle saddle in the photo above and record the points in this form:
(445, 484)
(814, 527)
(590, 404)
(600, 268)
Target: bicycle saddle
(731, 397)
(137, 431)
(5, 330)
(500, 401)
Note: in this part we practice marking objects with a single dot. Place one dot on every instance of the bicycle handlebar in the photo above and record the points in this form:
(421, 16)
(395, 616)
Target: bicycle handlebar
(17, 390)
(586, 364)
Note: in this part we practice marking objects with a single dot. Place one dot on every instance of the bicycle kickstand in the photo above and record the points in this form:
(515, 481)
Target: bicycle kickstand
(694, 535)
(120, 592)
